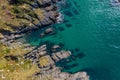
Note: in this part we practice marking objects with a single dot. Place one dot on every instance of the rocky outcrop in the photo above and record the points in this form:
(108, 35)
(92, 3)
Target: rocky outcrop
(35, 55)
(60, 55)
(56, 74)
(49, 68)
(47, 31)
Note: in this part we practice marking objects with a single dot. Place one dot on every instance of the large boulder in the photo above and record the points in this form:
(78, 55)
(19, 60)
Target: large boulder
(61, 55)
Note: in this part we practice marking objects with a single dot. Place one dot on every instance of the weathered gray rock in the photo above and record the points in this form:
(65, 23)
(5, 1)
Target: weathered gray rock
(36, 53)
(79, 76)
(60, 55)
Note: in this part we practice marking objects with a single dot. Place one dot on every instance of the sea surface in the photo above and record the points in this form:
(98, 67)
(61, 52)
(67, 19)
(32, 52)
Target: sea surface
(91, 30)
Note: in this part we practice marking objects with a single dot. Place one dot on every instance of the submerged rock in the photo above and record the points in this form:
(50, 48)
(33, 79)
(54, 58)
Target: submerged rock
(42, 35)
(55, 48)
(49, 30)
(68, 25)
(61, 28)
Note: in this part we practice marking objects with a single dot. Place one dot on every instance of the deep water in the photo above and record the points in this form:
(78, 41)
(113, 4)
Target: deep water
(91, 30)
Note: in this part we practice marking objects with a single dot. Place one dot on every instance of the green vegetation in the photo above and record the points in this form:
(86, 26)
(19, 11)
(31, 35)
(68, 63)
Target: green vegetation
(44, 61)
(16, 9)
(32, 14)
(12, 64)
(19, 2)
(6, 50)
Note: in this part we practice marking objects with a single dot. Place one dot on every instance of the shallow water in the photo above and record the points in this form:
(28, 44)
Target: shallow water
(91, 29)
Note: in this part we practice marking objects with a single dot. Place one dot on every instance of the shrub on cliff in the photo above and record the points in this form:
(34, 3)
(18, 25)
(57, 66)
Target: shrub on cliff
(16, 9)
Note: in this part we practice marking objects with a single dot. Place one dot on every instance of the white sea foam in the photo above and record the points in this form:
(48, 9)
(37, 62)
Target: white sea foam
(115, 46)
(115, 3)
(60, 18)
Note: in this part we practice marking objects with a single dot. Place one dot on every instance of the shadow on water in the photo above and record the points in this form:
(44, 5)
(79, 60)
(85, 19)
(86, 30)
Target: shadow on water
(77, 54)
(68, 25)
(68, 67)
(63, 64)
(65, 21)
(80, 55)
(99, 73)
(68, 13)
(50, 46)
(61, 29)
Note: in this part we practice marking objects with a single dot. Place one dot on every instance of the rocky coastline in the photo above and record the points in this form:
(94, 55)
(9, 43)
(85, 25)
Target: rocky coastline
(40, 56)
(51, 15)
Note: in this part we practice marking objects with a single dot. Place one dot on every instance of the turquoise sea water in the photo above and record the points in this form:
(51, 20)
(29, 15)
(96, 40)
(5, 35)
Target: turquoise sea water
(93, 27)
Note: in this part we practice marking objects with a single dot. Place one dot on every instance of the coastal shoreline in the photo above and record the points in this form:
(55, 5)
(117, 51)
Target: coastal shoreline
(36, 53)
